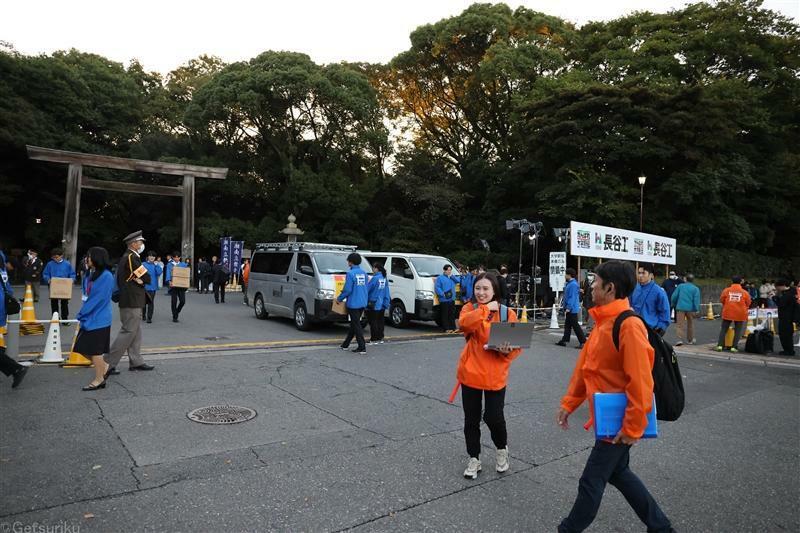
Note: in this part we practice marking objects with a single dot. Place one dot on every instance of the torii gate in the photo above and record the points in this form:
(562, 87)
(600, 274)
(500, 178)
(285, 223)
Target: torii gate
(76, 181)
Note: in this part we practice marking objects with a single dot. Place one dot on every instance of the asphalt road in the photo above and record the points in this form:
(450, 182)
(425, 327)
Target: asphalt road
(369, 443)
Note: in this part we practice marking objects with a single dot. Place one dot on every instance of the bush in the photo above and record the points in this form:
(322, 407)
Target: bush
(723, 263)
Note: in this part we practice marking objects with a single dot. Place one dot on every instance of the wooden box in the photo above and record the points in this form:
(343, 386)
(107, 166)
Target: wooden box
(61, 288)
(339, 307)
(180, 277)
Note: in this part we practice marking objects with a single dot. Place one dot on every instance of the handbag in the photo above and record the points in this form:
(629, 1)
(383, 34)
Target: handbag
(12, 304)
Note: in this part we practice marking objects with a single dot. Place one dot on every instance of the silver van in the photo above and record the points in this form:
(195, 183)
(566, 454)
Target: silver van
(298, 280)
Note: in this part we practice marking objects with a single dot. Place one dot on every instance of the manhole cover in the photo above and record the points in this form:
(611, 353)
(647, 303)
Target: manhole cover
(221, 414)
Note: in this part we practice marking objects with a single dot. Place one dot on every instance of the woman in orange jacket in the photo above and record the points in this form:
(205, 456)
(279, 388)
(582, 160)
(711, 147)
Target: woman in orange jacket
(483, 373)
(735, 303)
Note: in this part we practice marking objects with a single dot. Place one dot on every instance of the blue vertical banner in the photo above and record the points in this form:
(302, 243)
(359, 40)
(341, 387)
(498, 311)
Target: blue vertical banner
(236, 257)
(225, 250)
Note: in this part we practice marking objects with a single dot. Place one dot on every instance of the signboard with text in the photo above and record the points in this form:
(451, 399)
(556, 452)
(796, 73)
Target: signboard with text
(590, 240)
(558, 267)
(225, 250)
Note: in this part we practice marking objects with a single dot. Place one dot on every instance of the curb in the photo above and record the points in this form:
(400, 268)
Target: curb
(752, 359)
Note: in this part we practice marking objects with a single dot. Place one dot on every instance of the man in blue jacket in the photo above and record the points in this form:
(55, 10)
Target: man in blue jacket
(445, 287)
(685, 300)
(650, 301)
(177, 293)
(572, 306)
(58, 268)
(8, 366)
(151, 288)
(355, 293)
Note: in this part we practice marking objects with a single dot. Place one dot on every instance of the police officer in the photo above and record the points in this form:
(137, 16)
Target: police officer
(32, 273)
(131, 280)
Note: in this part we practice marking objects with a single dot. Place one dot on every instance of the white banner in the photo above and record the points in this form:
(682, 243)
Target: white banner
(589, 240)
(558, 267)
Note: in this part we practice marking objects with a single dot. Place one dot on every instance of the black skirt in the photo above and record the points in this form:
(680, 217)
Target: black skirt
(94, 342)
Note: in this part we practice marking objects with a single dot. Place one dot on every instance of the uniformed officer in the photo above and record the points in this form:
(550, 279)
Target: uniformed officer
(131, 280)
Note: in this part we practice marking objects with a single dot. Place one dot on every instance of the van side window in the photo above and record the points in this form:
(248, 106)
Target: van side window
(304, 260)
(400, 267)
(372, 259)
(279, 263)
(260, 263)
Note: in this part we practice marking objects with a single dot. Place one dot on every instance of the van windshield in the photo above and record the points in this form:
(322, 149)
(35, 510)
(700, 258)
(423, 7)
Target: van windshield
(429, 267)
(331, 262)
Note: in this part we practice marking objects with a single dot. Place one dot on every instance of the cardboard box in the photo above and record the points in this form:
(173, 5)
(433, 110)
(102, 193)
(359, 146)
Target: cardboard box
(339, 307)
(61, 288)
(180, 277)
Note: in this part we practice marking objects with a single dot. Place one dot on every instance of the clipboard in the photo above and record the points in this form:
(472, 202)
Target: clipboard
(609, 410)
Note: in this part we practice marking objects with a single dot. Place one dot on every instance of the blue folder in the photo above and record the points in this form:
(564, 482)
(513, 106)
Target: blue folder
(609, 410)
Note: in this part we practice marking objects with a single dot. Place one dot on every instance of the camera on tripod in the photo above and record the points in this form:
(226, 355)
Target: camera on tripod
(524, 226)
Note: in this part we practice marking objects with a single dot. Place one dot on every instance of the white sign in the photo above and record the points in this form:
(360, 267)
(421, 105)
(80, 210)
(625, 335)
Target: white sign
(558, 267)
(589, 240)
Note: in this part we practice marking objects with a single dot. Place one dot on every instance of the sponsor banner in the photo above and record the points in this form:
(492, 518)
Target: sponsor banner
(558, 268)
(589, 240)
(762, 314)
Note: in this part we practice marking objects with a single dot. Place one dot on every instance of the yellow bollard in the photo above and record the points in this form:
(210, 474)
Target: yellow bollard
(729, 336)
(710, 314)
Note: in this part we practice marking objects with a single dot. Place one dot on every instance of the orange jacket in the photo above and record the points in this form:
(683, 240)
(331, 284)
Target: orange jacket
(735, 303)
(479, 368)
(246, 273)
(601, 368)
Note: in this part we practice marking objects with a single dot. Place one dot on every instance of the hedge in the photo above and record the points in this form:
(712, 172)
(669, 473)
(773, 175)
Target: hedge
(723, 263)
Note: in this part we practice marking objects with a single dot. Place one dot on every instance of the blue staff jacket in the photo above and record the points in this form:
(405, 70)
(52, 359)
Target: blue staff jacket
(572, 296)
(96, 310)
(355, 288)
(376, 288)
(651, 303)
(56, 269)
(467, 287)
(445, 284)
(5, 288)
(155, 274)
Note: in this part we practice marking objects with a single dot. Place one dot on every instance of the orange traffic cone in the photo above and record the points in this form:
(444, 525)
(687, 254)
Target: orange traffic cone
(75, 359)
(710, 314)
(29, 326)
(524, 317)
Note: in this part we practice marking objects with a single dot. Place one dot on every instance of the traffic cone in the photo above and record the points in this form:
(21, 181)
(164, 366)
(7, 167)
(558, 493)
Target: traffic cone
(75, 359)
(29, 314)
(554, 317)
(729, 336)
(710, 314)
(524, 317)
(3, 332)
(52, 348)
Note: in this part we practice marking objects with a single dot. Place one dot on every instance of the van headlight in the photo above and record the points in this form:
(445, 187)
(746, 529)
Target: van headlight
(324, 294)
(423, 295)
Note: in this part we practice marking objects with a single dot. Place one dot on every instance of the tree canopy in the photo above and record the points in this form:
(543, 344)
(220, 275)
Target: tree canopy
(492, 114)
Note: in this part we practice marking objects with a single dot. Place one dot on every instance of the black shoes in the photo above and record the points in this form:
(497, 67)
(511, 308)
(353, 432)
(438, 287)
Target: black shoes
(19, 375)
(94, 387)
(174, 319)
(561, 343)
(359, 350)
(143, 366)
(149, 321)
(112, 371)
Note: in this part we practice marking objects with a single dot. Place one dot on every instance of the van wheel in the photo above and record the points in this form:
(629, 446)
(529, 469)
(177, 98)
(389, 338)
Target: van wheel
(258, 307)
(397, 315)
(301, 318)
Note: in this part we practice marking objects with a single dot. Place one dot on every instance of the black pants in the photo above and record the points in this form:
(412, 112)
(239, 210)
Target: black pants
(244, 294)
(376, 324)
(608, 463)
(492, 415)
(448, 310)
(64, 313)
(7, 365)
(786, 334)
(355, 329)
(219, 292)
(204, 283)
(149, 305)
(177, 295)
(570, 323)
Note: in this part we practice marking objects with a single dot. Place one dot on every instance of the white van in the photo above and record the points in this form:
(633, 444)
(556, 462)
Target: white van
(298, 280)
(411, 278)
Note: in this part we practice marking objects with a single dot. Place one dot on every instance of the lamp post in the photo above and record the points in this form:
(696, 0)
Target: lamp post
(642, 180)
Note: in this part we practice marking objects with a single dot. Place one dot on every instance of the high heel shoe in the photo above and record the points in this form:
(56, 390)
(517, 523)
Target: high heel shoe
(94, 387)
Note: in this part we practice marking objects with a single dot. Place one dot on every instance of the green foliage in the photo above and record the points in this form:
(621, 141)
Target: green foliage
(724, 263)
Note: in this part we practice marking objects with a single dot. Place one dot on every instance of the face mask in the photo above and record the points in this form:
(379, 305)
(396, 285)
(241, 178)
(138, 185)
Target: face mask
(140, 249)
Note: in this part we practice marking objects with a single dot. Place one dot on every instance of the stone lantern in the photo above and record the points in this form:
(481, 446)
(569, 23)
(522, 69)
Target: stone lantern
(291, 230)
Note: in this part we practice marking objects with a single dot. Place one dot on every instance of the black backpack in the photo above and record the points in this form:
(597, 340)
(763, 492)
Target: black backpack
(667, 380)
(761, 341)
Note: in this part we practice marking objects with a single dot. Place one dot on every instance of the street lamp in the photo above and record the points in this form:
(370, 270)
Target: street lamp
(642, 180)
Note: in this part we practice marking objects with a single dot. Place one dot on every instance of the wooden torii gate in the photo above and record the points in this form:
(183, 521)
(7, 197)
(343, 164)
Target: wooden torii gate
(76, 181)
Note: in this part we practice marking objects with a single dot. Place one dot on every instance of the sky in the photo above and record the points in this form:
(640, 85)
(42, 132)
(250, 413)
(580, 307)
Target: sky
(165, 34)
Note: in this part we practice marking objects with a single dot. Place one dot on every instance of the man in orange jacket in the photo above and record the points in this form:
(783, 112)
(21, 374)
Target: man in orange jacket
(735, 303)
(245, 280)
(603, 368)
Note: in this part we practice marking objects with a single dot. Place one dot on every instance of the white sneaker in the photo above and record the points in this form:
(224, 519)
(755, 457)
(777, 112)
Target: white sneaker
(473, 467)
(502, 459)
